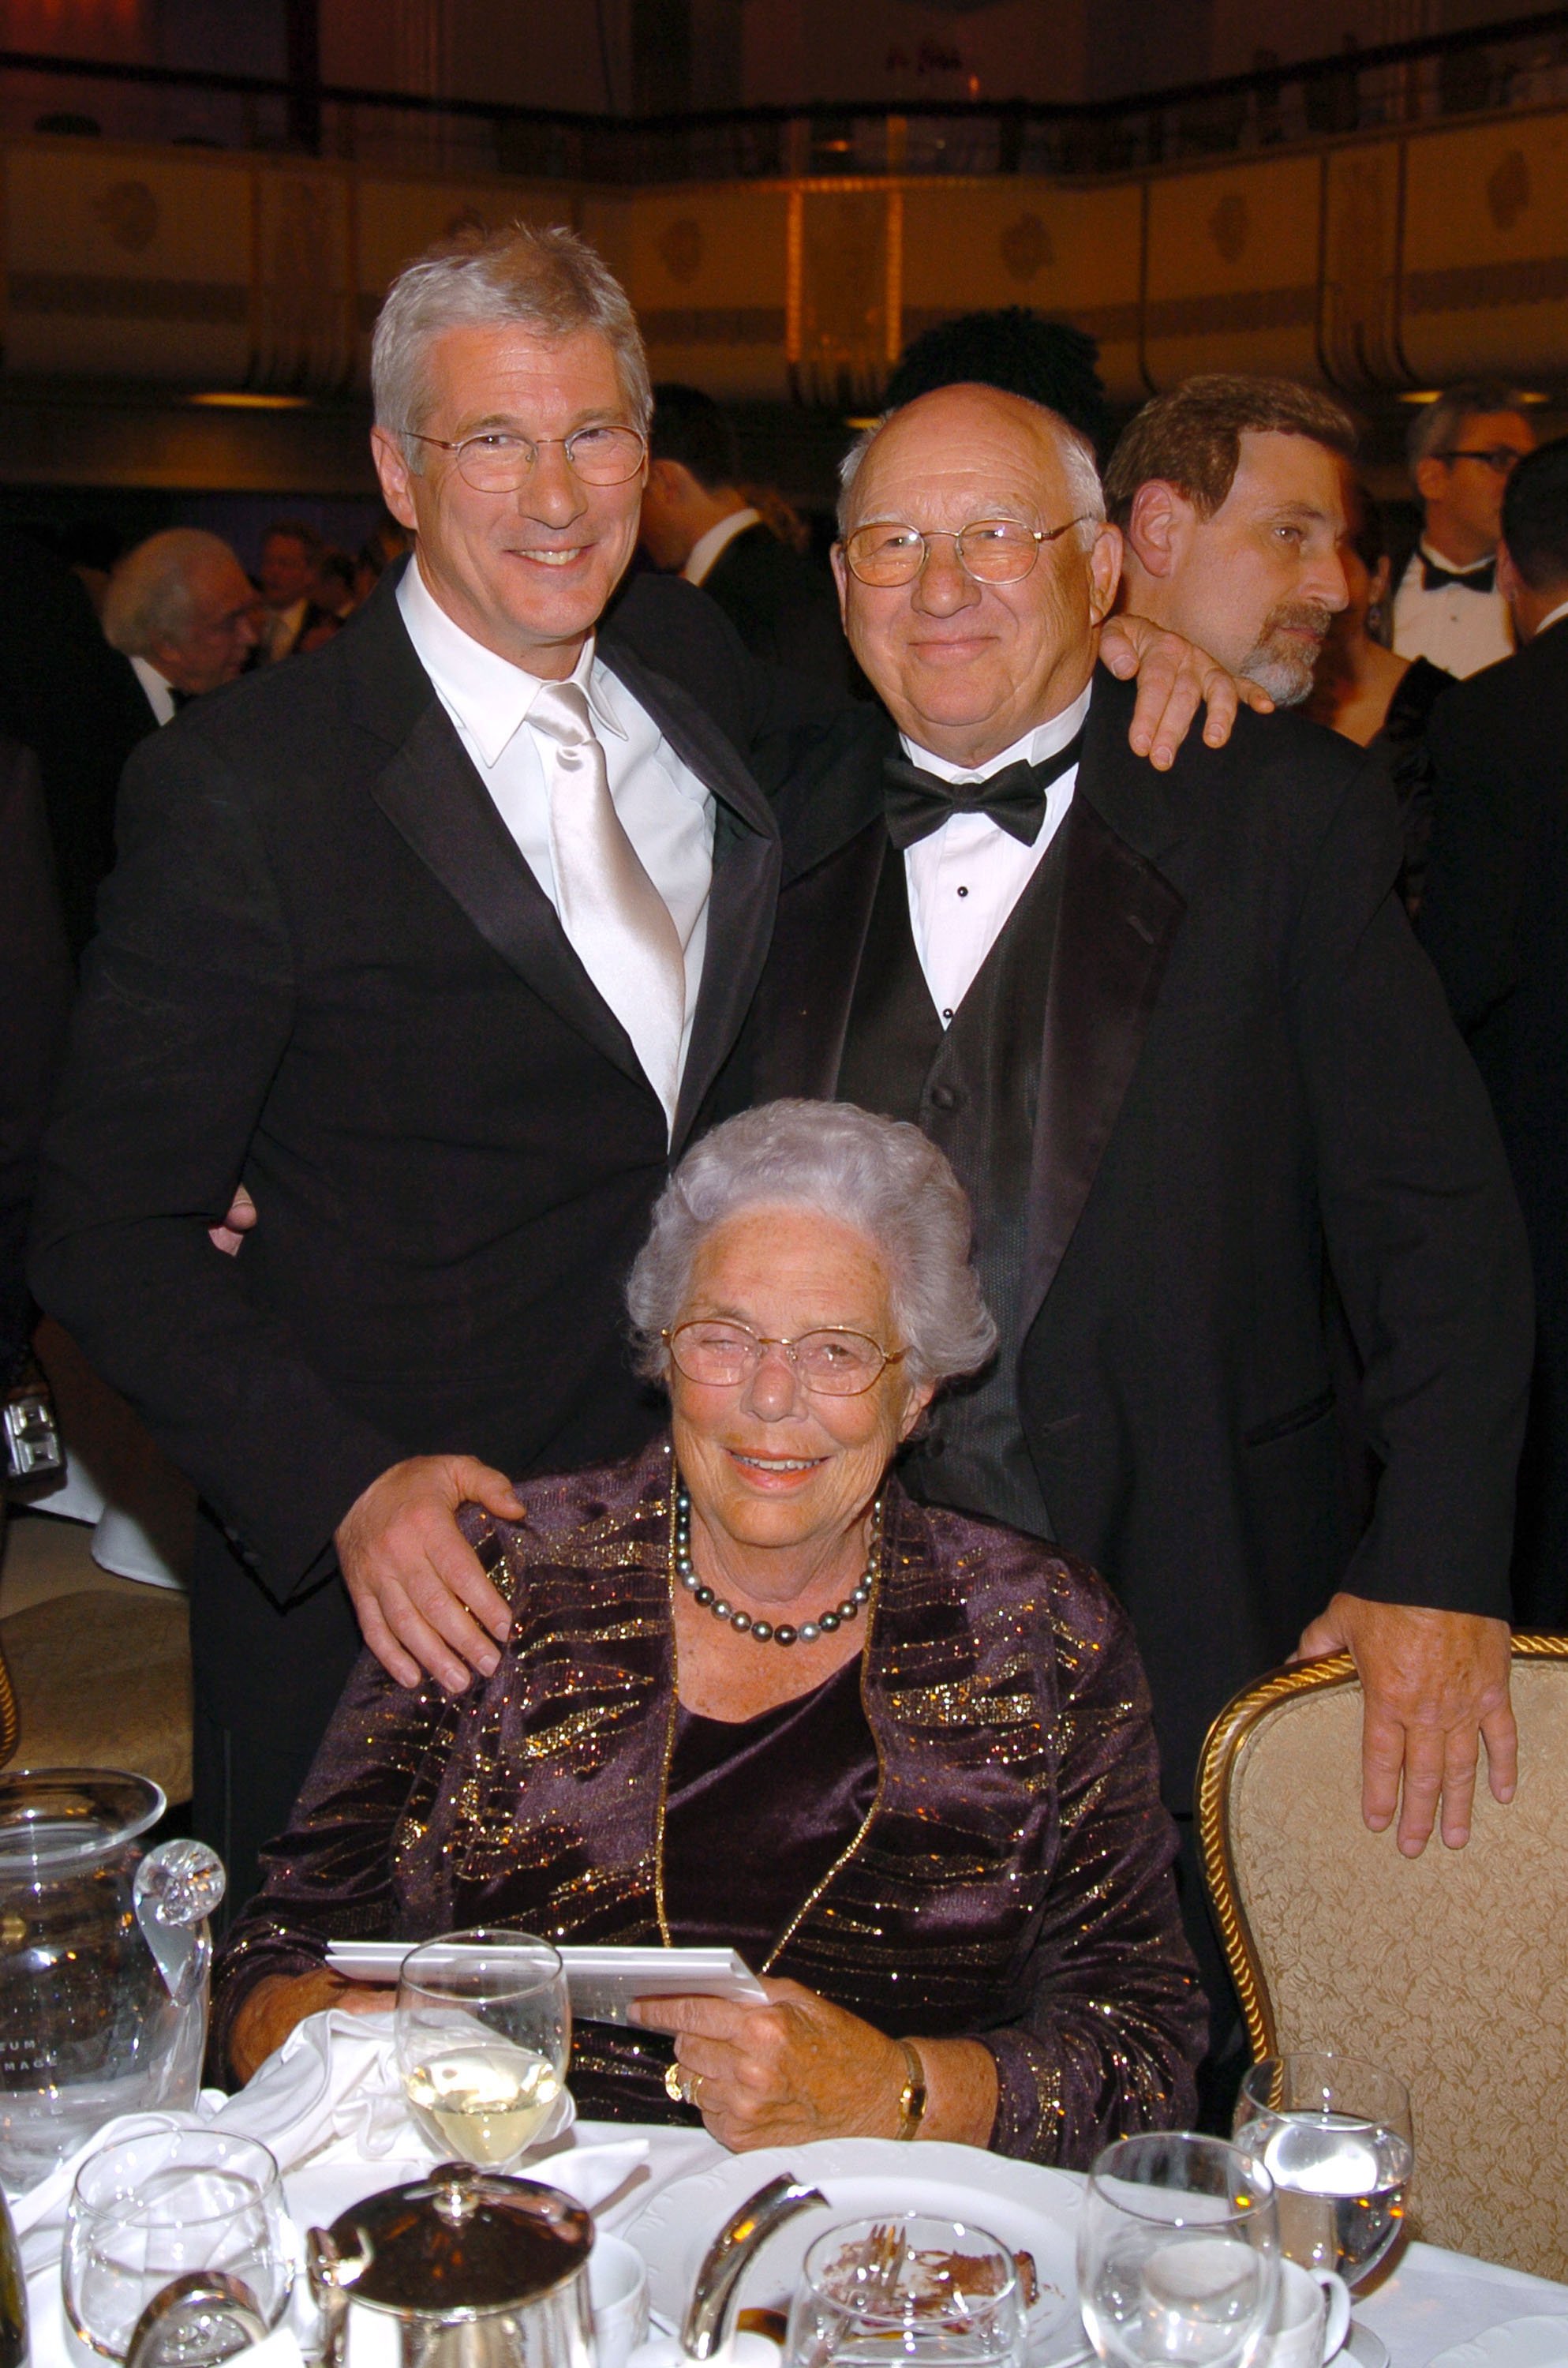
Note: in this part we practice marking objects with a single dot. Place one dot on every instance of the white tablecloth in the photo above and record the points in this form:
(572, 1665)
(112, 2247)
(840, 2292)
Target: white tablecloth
(1432, 2301)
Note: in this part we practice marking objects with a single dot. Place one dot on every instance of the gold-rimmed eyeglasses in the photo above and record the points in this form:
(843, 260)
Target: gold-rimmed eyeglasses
(497, 461)
(831, 1362)
(994, 551)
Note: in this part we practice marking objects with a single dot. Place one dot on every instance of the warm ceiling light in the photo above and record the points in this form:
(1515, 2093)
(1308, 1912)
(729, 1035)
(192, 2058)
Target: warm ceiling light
(240, 401)
(1434, 394)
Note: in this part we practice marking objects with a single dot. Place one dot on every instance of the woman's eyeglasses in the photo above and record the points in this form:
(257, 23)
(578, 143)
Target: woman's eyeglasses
(833, 1363)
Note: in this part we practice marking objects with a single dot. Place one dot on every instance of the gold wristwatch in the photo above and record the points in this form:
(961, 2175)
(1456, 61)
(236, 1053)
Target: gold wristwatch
(912, 2097)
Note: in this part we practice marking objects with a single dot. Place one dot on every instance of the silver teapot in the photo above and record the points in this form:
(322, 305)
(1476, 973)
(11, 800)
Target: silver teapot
(466, 2269)
(105, 1954)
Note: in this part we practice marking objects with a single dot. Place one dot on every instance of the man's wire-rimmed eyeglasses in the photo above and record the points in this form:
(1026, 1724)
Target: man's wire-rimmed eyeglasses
(835, 1363)
(1501, 459)
(499, 462)
(994, 551)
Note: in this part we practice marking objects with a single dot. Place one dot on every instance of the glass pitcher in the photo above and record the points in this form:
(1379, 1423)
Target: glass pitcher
(105, 1952)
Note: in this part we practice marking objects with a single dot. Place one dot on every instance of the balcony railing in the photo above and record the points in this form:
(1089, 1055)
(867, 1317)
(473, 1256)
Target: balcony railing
(1520, 63)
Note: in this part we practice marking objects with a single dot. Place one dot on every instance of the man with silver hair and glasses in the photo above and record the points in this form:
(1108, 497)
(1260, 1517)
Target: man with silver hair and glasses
(435, 941)
(184, 613)
(1180, 1048)
(1462, 448)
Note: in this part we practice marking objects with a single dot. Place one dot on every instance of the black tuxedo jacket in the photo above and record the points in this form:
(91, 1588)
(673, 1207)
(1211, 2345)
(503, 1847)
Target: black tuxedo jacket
(325, 970)
(1247, 1065)
(784, 609)
(35, 996)
(1494, 919)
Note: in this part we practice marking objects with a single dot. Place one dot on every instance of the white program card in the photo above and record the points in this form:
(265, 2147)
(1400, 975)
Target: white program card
(602, 1982)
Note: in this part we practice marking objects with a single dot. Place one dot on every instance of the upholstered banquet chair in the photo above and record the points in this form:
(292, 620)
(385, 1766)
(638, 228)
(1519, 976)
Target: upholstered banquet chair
(1451, 1969)
(97, 1679)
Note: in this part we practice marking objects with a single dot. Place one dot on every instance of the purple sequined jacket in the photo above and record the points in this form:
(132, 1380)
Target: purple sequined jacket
(1011, 1881)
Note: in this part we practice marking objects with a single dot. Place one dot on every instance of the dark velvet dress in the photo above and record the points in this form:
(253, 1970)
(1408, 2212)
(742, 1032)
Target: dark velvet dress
(958, 1835)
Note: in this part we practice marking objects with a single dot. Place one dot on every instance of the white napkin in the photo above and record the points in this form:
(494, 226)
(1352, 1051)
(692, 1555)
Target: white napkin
(331, 2093)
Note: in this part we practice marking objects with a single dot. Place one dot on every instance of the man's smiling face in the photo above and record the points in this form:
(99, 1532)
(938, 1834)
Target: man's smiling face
(526, 573)
(966, 667)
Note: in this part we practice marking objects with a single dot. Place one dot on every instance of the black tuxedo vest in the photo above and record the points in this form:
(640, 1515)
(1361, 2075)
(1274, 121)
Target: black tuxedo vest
(974, 1090)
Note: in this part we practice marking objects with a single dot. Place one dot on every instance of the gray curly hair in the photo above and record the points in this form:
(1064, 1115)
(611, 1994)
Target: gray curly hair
(877, 1175)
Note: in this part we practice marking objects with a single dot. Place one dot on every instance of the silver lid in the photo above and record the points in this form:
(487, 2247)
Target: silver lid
(458, 2245)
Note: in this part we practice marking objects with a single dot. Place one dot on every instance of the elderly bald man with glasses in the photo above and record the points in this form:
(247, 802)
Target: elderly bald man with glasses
(1174, 1037)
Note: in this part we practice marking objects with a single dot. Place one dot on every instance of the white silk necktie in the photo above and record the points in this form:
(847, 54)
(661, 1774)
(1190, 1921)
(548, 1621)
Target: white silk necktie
(617, 922)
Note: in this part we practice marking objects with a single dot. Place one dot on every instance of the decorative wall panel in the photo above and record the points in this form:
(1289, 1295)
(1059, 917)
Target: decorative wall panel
(126, 262)
(1232, 278)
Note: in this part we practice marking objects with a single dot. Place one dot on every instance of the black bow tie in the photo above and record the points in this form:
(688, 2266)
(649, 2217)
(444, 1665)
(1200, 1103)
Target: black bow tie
(1473, 579)
(920, 803)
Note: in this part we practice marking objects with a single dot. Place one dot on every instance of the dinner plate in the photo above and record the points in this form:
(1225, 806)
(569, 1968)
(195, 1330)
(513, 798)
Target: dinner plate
(1518, 2343)
(1031, 2209)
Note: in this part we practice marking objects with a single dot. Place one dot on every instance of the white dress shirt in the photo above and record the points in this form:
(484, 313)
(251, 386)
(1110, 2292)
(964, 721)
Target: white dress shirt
(667, 812)
(1455, 629)
(160, 698)
(965, 878)
(704, 552)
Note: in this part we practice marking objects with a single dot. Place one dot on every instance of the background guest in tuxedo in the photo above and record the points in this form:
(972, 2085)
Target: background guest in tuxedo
(1495, 923)
(1230, 493)
(76, 704)
(1449, 607)
(435, 941)
(34, 994)
(183, 611)
(292, 618)
(1365, 690)
(1179, 1046)
(698, 523)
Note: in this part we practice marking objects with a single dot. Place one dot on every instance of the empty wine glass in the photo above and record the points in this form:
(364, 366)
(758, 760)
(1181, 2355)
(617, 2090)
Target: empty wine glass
(482, 2030)
(1334, 2134)
(1178, 2253)
(152, 2209)
(906, 2287)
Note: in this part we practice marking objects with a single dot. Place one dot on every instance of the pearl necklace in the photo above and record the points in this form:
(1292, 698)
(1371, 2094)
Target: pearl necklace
(764, 1630)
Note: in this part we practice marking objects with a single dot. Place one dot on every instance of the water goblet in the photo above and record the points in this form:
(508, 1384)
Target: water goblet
(148, 2210)
(906, 2287)
(482, 2031)
(1178, 2253)
(1334, 2134)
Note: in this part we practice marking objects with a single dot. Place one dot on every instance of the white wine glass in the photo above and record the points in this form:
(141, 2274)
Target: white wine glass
(906, 2288)
(1178, 2253)
(483, 2033)
(1335, 2134)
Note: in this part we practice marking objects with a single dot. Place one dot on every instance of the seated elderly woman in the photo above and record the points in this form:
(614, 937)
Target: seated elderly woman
(755, 1696)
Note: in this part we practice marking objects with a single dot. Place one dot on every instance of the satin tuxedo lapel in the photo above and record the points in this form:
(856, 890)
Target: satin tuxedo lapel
(430, 791)
(835, 843)
(746, 874)
(1119, 918)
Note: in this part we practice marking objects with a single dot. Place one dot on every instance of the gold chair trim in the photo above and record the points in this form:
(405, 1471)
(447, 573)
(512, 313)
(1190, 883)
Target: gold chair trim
(8, 1720)
(1216, 1770)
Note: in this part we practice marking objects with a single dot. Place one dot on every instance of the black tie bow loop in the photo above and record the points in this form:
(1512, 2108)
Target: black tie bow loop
(918, 802)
